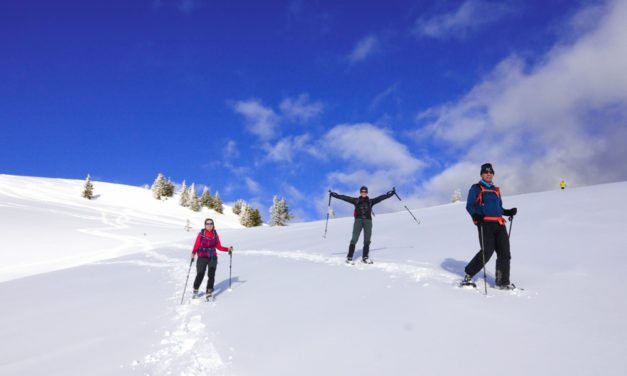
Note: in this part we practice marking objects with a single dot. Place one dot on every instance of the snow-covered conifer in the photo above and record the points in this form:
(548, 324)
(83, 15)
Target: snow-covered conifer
(193, 201)
(158, 187)
(217, 203)
(256, 218)
(279, 213)
(168, 189)
(88, 188)
(184, 196)
(237, 207)
(457, 196)
(245, 217)
(250, 217)
(206, 200)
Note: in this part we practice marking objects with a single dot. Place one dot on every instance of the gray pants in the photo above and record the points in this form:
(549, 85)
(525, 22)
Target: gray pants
(366, 225)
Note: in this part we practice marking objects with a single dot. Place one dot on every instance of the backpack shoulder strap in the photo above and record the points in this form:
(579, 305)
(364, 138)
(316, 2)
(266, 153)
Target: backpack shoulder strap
(484, 189)
(480, 195)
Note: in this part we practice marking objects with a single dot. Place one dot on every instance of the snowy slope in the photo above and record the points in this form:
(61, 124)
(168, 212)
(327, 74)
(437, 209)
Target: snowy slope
(86, 292)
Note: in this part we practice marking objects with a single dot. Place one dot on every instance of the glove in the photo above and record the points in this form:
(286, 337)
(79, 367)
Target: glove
(477, 218)
(510, 212)
(391, 193)
(333, 194)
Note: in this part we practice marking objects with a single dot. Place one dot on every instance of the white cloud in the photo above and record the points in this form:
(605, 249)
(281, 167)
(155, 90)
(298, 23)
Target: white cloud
(565, 118)
(264, 121)
(261, 120)
(230, 150)
(286, 148)
(300, 109)
(364, 48)
(383, 95)
(370, 156)
(252, 185)
(469, 16)
(294, 194)
(365, 144)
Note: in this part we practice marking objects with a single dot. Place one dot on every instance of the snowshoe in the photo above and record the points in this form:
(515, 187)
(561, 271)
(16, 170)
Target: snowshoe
(467, 282)
(510, 286)
(209, 295)
(366, 260)
(196, 294)
(349, 261)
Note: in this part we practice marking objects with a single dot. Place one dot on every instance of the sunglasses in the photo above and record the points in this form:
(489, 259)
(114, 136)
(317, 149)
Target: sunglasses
(209, 224)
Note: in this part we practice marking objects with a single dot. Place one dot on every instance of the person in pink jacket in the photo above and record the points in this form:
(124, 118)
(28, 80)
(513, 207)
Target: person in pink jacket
(206, 245)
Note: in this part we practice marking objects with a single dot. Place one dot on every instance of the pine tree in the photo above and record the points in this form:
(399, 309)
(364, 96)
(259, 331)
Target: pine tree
(246, 216)
(274, 212)
(158, 187)
(206, 200)
(168, 189)
(88, 188)
(217, 203)
(237, 207)
(256, 218)
(193, 202)
(457, 196)
(279, 213)
(285, 213)
(184, 196)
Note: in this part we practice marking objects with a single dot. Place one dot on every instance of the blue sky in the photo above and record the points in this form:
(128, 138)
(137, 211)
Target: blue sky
(293, 98)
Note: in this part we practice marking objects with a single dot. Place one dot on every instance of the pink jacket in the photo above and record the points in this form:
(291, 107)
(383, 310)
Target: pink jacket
(204, 244)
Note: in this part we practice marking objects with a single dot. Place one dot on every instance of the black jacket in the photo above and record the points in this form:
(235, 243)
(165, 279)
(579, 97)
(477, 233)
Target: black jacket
(363, 205)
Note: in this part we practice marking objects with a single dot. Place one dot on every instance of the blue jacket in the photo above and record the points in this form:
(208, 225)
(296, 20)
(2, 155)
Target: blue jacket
(489, 206)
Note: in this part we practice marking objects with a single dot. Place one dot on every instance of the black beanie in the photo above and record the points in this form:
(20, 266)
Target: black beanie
(363, 188)
(487, 167)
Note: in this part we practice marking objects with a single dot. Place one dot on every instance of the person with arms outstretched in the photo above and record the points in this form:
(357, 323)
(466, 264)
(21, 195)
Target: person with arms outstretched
(363, 219)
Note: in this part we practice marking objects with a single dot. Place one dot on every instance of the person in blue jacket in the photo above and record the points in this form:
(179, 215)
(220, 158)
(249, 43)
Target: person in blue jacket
(486, 209)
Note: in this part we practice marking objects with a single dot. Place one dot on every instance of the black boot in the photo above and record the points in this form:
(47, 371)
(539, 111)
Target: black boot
(365, 258)
(467, 281)
(351, 251)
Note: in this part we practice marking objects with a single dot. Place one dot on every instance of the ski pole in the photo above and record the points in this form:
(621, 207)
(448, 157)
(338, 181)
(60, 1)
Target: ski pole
(485, 278)
(230, 266)
(511, 219)
(187, 279)
(328, 210)
(410, 213)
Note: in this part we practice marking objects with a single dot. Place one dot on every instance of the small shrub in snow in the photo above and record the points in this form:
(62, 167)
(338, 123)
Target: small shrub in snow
(88, 188)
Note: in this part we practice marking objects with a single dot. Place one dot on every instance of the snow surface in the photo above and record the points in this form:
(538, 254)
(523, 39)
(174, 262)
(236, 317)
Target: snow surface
(94, 287)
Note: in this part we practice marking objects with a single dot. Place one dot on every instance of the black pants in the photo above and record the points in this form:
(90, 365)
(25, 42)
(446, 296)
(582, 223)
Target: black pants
(201, 265)
(494, 239)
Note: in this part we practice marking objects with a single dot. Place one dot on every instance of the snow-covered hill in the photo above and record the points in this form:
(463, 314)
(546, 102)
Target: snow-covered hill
(94, 287)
